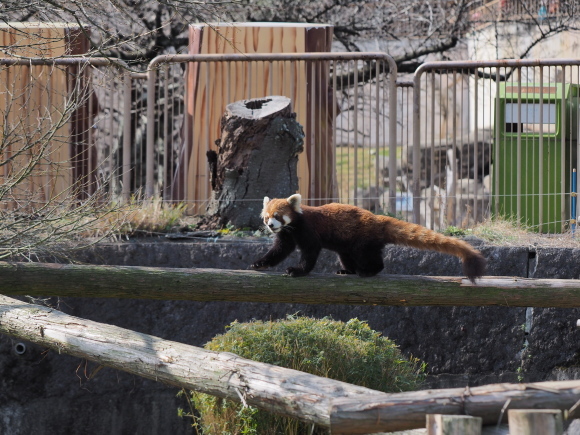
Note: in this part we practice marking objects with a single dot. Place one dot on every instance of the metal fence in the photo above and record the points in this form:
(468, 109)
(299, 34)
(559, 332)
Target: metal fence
(453, 144)
(345, 102)
(495, 138)
(485, 12)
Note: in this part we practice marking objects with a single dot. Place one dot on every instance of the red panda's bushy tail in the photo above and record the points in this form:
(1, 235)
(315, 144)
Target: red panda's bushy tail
(417, 236)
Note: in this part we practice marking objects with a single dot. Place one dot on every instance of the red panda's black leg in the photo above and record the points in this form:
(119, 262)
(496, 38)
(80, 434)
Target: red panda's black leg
(284, 245)
(348, 264)
(369, 260)
(310, 248)
(307, 262)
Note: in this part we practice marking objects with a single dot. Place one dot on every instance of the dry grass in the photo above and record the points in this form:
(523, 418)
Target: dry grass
(141, 218)
(502, 232)
(155, 217)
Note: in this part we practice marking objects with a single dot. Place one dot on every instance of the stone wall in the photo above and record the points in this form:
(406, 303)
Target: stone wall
(43, 392)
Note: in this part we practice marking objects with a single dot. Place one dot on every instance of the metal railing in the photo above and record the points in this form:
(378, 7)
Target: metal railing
(495, 138)
(456, 143)
(346, 103)
(516, 11)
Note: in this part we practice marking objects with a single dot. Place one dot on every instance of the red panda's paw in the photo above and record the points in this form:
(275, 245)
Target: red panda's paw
(295, 272)
(259, 265)
(345, 272)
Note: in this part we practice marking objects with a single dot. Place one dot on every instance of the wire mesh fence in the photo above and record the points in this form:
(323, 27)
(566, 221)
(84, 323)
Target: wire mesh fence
(496, 139)
(454, 144)
(341, 100)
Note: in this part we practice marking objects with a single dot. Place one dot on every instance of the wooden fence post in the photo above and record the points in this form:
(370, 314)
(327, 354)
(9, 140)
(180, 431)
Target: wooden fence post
(535, 422)
(439, 424)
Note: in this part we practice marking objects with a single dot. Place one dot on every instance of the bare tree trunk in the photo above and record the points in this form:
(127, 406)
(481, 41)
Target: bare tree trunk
(258, 156)
(251, 286)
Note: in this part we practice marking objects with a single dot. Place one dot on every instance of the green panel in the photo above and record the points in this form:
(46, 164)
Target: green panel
(540, 156)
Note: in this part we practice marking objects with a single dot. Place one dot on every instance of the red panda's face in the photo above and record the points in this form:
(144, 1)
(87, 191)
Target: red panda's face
(277, 213)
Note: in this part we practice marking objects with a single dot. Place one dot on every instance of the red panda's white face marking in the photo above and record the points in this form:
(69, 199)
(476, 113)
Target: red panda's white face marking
(277, 213)
(275, 221)
(273, 224)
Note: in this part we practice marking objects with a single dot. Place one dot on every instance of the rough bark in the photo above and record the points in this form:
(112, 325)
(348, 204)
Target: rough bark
(343, 407)
(257, 157)
(252, 286)
(407, 410)
(289, 392)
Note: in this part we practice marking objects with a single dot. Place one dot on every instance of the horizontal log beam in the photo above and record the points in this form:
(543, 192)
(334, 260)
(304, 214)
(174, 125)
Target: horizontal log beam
(345, 408)
(408, 410)
(41, 279)
(223, 374)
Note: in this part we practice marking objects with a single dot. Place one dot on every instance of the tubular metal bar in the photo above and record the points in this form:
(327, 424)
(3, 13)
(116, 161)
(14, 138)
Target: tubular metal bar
(476, 150)
(416, 145)
(541, 161)
(392, 95)
(126, 162)
(563, 171)
(355, 190)
(496, 149)
(519, 152)
(61, 61)
(274, 57)
(150, 144)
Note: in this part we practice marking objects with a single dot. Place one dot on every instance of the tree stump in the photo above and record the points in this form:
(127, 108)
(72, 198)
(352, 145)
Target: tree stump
(257, 156)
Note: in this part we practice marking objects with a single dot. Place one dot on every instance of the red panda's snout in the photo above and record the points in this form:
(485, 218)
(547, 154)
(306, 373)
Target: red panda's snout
(276, 222)
(273, 224)
(277, 213)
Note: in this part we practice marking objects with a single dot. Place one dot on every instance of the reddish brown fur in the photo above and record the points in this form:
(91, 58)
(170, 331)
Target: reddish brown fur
(358, 236)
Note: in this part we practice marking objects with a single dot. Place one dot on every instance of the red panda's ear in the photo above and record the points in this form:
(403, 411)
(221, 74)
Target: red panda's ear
(266, 201)
(295, 202)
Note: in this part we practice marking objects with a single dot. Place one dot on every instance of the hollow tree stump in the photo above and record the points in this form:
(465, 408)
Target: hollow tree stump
(257, 156)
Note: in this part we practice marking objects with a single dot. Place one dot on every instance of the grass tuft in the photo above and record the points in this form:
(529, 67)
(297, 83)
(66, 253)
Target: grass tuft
(350, 352)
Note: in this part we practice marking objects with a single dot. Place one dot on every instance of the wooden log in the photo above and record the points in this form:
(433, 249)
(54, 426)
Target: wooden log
(256, 286)
(257, 157)
(403, 411)
(223, 374)
(535, 422)
(343, 407)
(439, 424)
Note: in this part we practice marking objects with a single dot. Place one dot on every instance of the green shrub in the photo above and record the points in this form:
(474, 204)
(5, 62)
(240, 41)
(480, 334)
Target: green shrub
(350, 352)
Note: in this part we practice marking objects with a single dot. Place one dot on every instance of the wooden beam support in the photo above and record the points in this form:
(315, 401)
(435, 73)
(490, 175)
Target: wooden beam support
(438, 424)
(407, 410)
(66, 280)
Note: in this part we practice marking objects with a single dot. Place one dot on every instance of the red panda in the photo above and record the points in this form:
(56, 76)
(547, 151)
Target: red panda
(356, 235)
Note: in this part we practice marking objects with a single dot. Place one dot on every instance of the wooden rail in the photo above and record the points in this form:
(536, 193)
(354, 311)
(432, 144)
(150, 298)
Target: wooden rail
(250, 286)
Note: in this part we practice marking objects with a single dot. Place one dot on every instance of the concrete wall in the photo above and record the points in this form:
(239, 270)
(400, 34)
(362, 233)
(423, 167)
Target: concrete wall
(46, 393)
